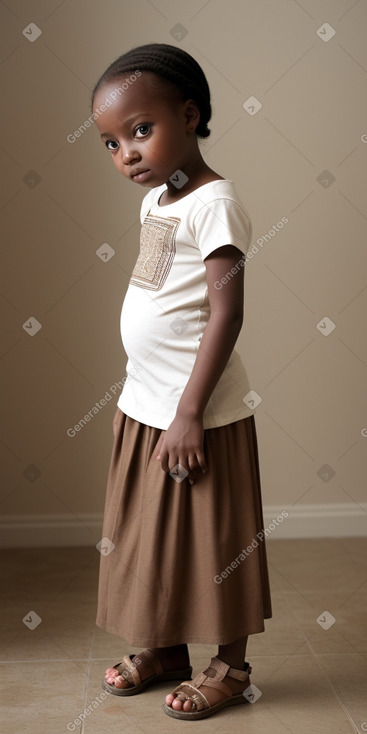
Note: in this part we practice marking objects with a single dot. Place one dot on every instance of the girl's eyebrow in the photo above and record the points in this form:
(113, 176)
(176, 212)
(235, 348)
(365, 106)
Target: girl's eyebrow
(129, 120)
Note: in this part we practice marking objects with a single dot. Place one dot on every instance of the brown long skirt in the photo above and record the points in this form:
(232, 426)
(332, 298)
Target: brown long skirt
(186, 566)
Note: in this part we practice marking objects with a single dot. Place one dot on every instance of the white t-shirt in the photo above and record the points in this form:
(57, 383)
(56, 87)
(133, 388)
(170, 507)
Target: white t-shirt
(166, 307)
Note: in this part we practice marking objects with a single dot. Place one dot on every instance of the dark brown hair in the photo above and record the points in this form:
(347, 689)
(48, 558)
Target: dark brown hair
(172, 64)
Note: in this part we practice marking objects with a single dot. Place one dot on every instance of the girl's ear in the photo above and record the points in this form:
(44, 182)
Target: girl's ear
(192, 115)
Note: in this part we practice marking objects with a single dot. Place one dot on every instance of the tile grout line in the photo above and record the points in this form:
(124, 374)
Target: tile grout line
(87, 678)
(325, 675)
(331, 686)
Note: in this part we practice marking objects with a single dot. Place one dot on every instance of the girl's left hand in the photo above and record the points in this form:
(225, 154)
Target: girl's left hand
(183, 443)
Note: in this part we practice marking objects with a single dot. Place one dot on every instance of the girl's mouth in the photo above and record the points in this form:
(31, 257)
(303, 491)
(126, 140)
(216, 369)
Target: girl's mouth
(142, 176)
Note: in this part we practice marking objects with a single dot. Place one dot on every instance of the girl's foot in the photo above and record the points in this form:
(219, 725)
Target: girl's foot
(151, 663)
(218, 686)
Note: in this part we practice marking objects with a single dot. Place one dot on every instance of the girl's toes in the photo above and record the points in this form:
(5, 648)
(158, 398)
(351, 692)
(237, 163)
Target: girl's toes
(110, 679)
(177, 704)
(120, 682)
(111, 673)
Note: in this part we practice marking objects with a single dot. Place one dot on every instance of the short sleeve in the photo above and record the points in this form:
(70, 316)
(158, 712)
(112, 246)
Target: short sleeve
(149, 199)
(222, 222)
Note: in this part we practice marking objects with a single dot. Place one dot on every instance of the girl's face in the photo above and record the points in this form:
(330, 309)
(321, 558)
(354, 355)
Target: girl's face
(147, 129)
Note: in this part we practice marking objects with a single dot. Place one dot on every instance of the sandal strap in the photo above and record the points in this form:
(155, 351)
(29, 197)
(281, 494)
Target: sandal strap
(223, 669)
(205, 680)
(127, 660)
(158, 667)
(189, 684)
(239, 674)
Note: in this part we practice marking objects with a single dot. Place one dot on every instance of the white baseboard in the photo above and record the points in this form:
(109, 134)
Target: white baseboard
(302, 521)
(344, 520)
(50, 531)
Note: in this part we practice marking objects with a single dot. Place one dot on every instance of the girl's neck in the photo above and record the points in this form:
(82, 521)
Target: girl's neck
(197, 174)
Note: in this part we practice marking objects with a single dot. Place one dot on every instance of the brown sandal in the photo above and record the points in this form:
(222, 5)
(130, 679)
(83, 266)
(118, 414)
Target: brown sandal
(131, 674)
(201, 708)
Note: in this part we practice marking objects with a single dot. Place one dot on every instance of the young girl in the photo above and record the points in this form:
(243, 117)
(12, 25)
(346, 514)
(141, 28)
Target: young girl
(185, 562)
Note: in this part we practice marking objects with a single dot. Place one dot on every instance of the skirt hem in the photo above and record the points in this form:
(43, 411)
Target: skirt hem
(189, 639)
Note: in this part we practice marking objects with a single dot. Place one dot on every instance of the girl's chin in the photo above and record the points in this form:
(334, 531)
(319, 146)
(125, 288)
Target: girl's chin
(148, 179)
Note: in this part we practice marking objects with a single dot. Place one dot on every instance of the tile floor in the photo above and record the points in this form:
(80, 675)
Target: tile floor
(312, 680)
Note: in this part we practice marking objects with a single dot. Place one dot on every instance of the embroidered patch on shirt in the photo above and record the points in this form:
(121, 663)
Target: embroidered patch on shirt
(157, 250)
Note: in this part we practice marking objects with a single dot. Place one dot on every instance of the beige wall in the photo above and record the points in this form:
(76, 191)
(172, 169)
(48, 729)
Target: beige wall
(313, 118)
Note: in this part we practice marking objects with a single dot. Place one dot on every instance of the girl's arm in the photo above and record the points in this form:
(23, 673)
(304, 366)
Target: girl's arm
(220, 333)
(182, 443)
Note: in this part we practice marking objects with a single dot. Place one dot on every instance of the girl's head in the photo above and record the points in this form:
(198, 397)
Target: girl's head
(151, 105)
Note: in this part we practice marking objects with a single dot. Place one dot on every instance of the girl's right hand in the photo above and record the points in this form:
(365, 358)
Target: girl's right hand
(182, 443)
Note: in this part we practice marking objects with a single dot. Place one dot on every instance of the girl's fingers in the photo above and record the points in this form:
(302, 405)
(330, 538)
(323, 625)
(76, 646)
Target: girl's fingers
(192, 466)
(169, 463)
(197, 461)
(175, 466)
(202, 462)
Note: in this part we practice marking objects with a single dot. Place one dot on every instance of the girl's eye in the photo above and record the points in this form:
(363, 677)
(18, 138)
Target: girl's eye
(143, 130)
(111, 144)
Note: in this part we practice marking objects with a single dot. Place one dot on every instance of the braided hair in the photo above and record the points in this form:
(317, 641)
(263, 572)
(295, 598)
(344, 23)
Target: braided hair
(172, 64)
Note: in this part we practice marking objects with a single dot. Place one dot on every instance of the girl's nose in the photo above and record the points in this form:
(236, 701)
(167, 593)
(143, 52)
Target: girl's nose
(129, 155)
